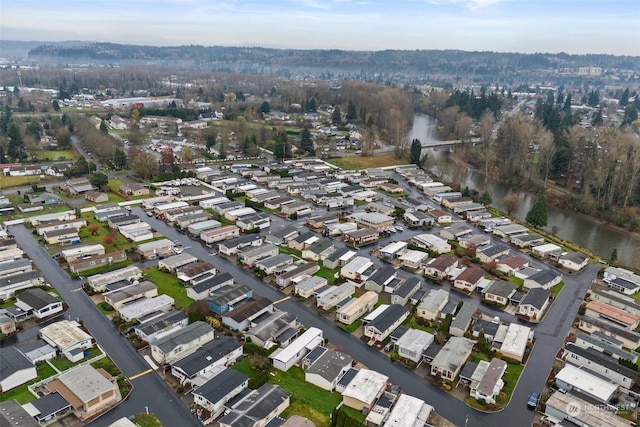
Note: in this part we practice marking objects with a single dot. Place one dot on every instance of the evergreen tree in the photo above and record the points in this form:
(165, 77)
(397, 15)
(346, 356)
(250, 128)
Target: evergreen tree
(15, 149)
(119, 159)
(624, 98)
(336, 116)
(99, 179)
(614, 256)
(537, 215)
(265, 107)
(597, 120)
(56, 105)
(416, 150)
(211, 140)
(486, 199)
(3, 158)
(306, 141)
(103, 127)
(351, 112)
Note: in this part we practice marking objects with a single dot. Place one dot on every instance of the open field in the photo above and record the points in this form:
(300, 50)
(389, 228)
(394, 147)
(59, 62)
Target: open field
(169, 285)
(19, 181)
(58, 155)
(361, 162)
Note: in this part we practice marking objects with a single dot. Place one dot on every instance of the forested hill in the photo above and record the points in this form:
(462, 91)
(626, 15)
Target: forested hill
(234, 58)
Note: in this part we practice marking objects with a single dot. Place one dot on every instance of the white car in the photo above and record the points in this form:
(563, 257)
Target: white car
(399, 228)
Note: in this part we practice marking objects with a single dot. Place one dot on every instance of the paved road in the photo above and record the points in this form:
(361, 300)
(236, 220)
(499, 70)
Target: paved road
(550, 335)
(149, 390)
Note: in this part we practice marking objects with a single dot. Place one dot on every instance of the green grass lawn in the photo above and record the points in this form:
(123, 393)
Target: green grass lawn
(362, 162)
(62, 363)
(352, 327)
(115, 184)
(169, 285)
(146, 420)
(516, 280)
(58, 155)
(328, 274)
(555, 291)
(103, 269)
(510, 378)
(22, 394)
(287, 250)
(87, 237)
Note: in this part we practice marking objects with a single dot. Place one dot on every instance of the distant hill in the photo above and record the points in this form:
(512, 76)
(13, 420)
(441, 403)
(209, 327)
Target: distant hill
(247, 58)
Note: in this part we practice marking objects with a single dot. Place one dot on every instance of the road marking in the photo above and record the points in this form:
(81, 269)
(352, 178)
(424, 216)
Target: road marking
(281, 300)
(133, 377)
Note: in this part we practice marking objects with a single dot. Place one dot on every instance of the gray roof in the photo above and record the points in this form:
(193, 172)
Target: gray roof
(335, 255)
(330, 364)
(624, 333)
(37, 298)
(49, 405)
(536, 298)
(257, 250)
(159, 323)
(212, 282)
(388, 317)
(272, 326)
(272, 261)
(207, 355)
(453, 354)
(600, 358)
(346, 379)
(501, 288)
(304, 236)
(12, 361)
(183, 336)
(19, 263)
(544, 276)
(255, 406)
(488, 328)
(463, 317)
(382, 275)
(407, 287)
(228, 293)
(240, 240)
(492, 250)
(320, 246)
(12, 414)
(218, 387)
(130, 291)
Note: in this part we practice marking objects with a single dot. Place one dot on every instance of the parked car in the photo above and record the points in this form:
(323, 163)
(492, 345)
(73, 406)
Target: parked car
(532, 402)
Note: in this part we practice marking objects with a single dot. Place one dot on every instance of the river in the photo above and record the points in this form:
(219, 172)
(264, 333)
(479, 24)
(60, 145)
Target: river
(600, 238)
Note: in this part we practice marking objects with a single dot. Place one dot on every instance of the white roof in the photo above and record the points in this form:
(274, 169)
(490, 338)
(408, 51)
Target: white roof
(394, 247)
(86, 382)
(415, 340)
(549, 247)
(310, 339)
(81, 250)
(241, 211)
(359, 264)
(515, 341)
(365, 386)
(375, 313)
(430, 239)
(172, 205)
(589, 383)
(156, 244)
(65, 334)
(145, 306)
(409, 411)
(413, 256)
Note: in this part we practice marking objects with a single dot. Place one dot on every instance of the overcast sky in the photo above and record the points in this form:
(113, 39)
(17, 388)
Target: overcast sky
(572, 26)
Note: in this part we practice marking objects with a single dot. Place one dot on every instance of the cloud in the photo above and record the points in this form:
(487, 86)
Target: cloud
(469, 4)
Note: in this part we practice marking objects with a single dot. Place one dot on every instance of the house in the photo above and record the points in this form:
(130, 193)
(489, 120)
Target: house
(593, 386)
(546, 250)
(409, 411)
(358, 269)
(328, 369)
(241, 317)
(381, 278)
(76, 224)
(184, 222)
(78, 186)
(612, 314)
(282, 236)
(491, 252)
(119, 297)
(272, 264)
(431, 306)
(628, 338)
(219, 234)
(373, 220)
(39, 303)
(215, 393)
(318, 250)
(154, 327)
(451, 358)
(67, 337)
(616, 299)
(381, 208)
(257, 408)
(468, 279)
(227, 297)
(87, 389)
(357, 307)
(197, 228)
(157, 247)
(527, 240)
(334, 295)
(91, 262)
(249, 255)
(15, 369)
(231, 247)
(174, 262)
(134, 189)
(96, 196)
(573, 261)
(15, 267)
(412, 259)
(441, 216)
(499, 292)
(61, 237)
(474, 241)
(267, 332)
(208, 361)
(338, 258)
(192, 273)
(382, 325)
(362, 237)
(510, 265)
(455, 232)
(306, 288)
(565, 407)
(600, 363)
(364, 389)
(391, 188)
(284, 358)
(431, 243)
(9, 285)
(99, 282)
(462, 319)
(403, 293)
(508, 230)
(440, 267)
(622, 280)
(413, 343)
(393, 249)
(488, 388)
(204, 288)
(145, 306)
(179, 343)
(417, 219)
(514, 344)
(286, 278)
(49, 407)
(545, 279)
(534, 303)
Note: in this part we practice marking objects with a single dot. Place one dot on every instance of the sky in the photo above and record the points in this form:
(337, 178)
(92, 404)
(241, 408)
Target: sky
(572, 26)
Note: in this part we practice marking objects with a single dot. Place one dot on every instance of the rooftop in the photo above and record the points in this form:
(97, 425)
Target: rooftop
(366, 386)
